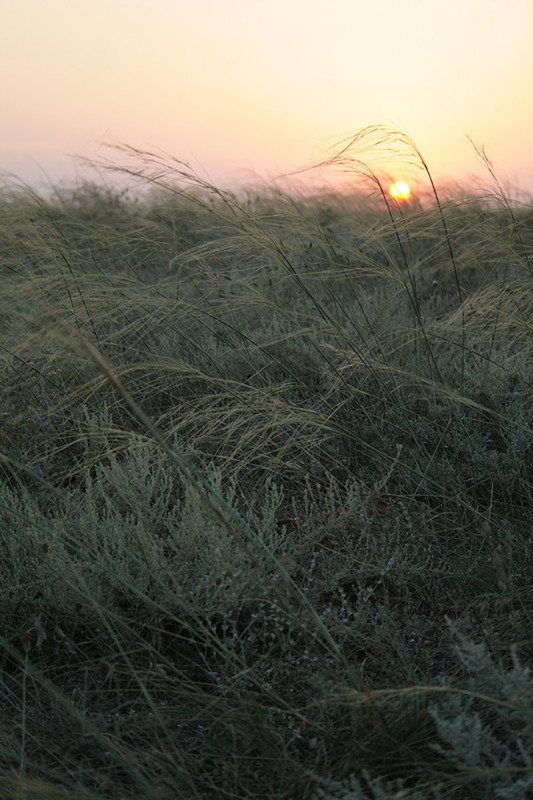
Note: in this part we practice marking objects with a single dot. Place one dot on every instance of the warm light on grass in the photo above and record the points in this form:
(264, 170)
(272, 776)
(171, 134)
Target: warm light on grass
(400, 190)
(199, 417)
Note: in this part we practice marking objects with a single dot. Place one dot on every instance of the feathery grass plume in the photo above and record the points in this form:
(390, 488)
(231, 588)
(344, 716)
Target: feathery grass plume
(355, 155)
(501, 197)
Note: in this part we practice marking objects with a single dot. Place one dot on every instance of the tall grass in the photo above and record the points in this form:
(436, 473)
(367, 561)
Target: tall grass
(265, 490)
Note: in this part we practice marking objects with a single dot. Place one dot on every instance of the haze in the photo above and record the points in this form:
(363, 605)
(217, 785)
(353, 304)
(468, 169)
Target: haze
(263, 87)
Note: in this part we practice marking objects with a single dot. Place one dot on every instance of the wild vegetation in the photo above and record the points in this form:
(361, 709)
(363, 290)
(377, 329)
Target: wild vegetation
(265, 491)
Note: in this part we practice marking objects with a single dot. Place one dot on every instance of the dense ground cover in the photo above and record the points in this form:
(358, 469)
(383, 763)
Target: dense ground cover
(265, 493)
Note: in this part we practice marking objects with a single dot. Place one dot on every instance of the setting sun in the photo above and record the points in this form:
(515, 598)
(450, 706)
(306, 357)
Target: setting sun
(400, 190)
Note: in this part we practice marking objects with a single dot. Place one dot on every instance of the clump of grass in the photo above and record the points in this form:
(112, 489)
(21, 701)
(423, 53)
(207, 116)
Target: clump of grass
(265, 490)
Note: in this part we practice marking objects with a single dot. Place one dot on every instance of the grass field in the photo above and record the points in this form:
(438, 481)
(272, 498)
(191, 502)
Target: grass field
(265, 492)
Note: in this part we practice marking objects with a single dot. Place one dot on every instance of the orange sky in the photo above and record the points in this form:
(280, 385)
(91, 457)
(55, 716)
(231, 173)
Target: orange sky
(265, 85)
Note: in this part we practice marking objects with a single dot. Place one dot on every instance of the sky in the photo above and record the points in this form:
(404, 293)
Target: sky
(251, 89)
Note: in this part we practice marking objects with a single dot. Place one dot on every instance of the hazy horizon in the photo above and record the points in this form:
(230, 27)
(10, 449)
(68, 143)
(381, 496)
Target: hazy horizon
(246, 91)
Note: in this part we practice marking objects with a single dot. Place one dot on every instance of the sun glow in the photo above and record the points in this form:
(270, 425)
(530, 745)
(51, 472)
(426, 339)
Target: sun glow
(400, 190)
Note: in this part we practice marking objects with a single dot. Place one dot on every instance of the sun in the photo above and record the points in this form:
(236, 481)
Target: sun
(400, 190)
